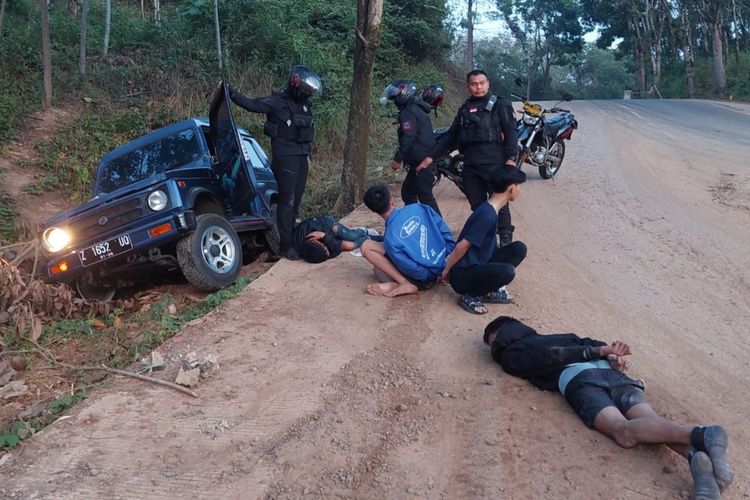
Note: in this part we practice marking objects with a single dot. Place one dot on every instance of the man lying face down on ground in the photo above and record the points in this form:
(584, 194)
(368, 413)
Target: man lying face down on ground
(589, 373)
(319, 238)
(415, 244)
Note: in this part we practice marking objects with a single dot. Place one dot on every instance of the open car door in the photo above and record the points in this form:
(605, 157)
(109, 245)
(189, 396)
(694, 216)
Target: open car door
(231, 164)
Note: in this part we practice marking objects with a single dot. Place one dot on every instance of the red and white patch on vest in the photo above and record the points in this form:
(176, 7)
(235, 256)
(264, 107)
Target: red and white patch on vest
(406, 125)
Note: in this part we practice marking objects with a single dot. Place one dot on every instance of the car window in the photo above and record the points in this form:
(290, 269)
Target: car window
(149, 160)
(254, 154)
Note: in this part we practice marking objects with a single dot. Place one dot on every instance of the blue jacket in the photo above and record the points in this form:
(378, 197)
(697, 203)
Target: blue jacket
(417, 240)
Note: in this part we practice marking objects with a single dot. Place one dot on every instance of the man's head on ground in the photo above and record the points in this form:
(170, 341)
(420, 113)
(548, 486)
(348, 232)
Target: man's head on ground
(507, 179)
(379, 200)
(314, 251)
(502, 332)
(477, 83)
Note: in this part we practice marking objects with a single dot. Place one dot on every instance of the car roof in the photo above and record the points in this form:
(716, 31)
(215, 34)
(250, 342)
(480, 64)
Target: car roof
(195, 122)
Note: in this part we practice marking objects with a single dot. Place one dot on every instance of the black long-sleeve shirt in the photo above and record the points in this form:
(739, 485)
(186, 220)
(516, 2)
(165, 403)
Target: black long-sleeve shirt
(321, 223)
(415, 136)
(483, 153)
(277, 107)
(540, 359)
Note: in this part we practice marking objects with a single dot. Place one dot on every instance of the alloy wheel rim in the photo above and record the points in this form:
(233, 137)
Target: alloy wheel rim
(218, 249)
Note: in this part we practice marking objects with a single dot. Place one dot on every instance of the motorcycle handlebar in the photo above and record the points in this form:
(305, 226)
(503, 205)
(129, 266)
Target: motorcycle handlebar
(559, 110)
(519, 97)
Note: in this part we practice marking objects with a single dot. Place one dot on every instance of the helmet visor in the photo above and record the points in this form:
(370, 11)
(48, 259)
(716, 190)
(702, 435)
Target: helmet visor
(389, 93)
(311, 85)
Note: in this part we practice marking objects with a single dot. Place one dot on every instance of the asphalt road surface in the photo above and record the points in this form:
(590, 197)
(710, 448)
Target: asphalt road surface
(325, 392)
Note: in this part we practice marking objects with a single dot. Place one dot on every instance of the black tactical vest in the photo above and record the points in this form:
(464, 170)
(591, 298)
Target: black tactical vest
(477, 122)
(299, 127)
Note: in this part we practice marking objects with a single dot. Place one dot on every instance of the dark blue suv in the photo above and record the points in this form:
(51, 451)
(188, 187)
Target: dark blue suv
(195, 196)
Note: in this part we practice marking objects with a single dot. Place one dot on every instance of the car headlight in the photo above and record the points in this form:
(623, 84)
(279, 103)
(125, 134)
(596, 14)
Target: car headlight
(529, 120)
(55, 239)
(157, 200)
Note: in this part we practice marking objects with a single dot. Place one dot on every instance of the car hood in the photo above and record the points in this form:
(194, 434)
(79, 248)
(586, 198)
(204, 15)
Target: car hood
(104, 199)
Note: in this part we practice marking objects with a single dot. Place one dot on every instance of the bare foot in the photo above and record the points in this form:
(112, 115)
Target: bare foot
(405, 289)
(381, 288)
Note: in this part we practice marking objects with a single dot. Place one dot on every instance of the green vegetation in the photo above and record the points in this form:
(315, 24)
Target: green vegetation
(109, 342)
(157, 73)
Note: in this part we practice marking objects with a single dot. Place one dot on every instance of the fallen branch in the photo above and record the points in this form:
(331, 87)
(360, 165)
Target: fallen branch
(48, 355)
(148, 379)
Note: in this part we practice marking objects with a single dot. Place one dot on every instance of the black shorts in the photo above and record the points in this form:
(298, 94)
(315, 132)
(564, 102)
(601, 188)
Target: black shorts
(593, 390)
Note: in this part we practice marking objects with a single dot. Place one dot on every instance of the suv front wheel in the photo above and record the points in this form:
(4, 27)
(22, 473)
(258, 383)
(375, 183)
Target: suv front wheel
(210, 257)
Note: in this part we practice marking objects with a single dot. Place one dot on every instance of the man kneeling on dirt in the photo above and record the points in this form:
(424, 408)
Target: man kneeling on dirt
(414, 247)
(589, 373)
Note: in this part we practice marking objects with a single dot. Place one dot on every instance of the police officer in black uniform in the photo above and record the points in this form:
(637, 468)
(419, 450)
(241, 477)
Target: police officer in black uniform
(289, 124)
(485, 133)
(415, 142)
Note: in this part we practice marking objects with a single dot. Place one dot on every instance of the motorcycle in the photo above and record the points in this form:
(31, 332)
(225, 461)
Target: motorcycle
(541, 138)
(450, 166)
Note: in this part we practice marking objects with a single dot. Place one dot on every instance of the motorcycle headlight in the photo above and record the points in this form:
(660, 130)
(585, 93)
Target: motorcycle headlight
(55, 239)
(529, 120)
(157, 200)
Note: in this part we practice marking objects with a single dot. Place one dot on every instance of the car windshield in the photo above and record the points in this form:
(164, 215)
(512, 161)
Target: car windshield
(149, 160)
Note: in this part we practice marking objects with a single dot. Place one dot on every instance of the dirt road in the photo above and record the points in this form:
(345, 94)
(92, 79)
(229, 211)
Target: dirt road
(325, 392)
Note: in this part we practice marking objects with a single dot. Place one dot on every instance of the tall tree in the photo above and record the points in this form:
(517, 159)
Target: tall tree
(2, 15)
(366, 42)
(470, 35)
(107, 25)
(218, 31)
(84, 23)
(46, 54)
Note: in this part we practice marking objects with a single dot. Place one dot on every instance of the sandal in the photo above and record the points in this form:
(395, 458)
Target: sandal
(499, 296)
(472, 304)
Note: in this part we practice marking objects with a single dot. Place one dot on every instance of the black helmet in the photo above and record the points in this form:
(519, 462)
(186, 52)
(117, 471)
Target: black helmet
(434, 95)
(400, 91)
(303, 83)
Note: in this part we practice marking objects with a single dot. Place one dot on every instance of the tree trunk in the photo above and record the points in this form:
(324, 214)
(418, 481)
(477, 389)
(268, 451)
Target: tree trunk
(72, 9)
(2, 15)
(688, 52)
(470, 35)
(46, 55)
(107, 25)
(640, 69)
(157, 11)
(720, 73)
(366, 42)
(84, 22)
(218, 31)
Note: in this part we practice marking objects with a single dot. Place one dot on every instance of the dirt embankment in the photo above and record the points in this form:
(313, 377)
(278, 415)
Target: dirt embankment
(325, 392)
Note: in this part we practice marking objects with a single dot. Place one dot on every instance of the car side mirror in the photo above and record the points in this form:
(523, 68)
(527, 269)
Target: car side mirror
(567, 97)
(520, 82)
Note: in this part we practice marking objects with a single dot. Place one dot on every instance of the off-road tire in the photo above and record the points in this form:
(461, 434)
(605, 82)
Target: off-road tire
(91, 291)
(545, 172)
(211, 256)
(272, 236)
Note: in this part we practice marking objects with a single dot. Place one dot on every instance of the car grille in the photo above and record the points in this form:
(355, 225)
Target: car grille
(108, 218)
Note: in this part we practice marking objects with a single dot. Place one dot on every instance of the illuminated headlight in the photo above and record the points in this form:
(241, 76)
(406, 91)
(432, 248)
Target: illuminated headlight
(55, 239)
(157, 200)
(529, 120)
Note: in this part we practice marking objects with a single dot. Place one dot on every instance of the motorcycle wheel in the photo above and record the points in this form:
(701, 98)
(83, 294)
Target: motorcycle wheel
(438, 176)
(552, 165)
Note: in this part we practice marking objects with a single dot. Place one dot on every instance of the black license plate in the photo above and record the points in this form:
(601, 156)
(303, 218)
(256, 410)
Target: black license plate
(105, 250)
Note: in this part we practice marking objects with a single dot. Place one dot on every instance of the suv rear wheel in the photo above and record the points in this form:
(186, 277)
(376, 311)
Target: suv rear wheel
(210, 257)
